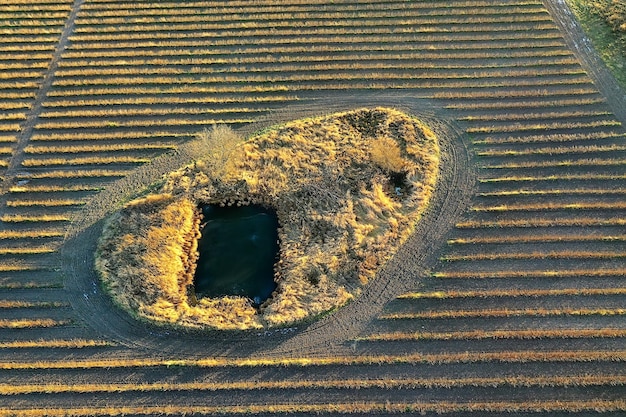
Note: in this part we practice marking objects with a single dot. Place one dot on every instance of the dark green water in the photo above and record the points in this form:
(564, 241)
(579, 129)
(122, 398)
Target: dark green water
(238, 249)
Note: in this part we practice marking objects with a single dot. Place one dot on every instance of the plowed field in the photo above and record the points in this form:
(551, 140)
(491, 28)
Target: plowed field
(509, 299)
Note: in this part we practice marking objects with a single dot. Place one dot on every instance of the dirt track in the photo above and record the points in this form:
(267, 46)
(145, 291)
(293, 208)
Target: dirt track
(402, 273)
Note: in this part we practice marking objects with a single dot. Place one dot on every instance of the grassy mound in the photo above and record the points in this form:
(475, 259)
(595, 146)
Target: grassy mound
(604, 21)
(347, 188)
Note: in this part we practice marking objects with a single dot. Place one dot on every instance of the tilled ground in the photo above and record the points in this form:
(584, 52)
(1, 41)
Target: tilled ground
(507, 300)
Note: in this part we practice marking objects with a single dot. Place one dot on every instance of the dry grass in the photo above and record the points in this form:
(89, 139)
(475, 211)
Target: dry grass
(330, 181)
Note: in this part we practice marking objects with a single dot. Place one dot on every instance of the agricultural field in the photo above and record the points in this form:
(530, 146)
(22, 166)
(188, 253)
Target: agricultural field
(508, 299)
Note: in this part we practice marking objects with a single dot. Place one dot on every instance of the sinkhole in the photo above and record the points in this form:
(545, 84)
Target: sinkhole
(238, 249)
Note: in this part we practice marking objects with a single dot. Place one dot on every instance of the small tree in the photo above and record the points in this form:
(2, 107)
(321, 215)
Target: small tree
(219, 143)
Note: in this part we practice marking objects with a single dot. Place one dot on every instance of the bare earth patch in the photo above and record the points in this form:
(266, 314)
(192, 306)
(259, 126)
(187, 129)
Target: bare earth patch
(348, 190)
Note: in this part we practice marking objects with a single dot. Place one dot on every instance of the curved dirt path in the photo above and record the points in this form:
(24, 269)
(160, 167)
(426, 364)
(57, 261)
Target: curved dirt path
(588, 57)
(332, 333)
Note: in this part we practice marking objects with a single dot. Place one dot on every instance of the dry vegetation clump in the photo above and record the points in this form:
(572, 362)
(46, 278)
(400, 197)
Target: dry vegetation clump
(604, 22)
(614, 12)
(347, 189)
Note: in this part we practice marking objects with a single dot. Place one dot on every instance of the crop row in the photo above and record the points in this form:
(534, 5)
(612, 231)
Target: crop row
(279, 19)
(521, 356)
(476, 90)
(564, 177)
(412, 383)
(183, 74)
(491, 313)
(328, 45)
(580, 162)
(147, 111)
(566, 254)
(407, 56)
(536, 238)
(53, 344)
(558, 191)
(31, 234)
(561, 150)
(45, 203)
(551, 206)
(543, 222)
(95, 160)
(157, 100)
(74, 148)
(541, 273)
(303, 10)
(542, 31)
(512, 292)
(499, 334)
(290, 5)
(365, 408)
(26, 323)
(320, 23)
(32, 304)
(205, 39)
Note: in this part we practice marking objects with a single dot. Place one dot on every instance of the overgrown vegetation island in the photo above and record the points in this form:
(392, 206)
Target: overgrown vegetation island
(347, 189)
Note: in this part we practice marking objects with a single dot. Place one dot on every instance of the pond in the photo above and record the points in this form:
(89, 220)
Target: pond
(238, 249)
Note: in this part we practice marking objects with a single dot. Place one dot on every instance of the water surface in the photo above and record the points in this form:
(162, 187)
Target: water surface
(238, 249)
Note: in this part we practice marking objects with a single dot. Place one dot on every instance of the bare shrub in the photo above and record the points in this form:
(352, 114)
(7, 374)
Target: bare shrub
(385, 152)
(218, 144)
